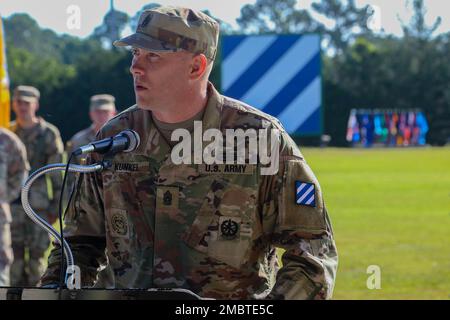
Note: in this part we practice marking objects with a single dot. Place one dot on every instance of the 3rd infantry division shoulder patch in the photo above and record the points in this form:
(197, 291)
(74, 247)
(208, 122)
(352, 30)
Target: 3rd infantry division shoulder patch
(305, 193)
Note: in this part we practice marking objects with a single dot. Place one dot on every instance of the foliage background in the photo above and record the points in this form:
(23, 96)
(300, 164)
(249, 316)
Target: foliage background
(361, 69)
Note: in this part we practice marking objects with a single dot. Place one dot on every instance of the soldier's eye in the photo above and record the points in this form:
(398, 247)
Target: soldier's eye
(134, 51)
(152, 57)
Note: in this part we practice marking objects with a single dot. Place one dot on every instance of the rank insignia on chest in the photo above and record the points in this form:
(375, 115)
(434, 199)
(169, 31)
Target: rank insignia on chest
(167, 197)
(305, 193)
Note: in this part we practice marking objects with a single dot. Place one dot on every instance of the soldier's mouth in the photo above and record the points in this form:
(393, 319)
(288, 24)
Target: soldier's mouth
(139, 88)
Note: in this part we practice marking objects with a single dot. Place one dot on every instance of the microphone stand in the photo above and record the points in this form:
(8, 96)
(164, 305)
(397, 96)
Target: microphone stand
(9, 293)
(44, 224)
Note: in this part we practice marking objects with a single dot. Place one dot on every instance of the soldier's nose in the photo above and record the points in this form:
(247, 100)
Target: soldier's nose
(135, 68)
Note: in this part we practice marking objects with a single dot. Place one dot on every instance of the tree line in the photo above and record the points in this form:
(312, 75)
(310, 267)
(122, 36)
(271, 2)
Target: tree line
(361, 69)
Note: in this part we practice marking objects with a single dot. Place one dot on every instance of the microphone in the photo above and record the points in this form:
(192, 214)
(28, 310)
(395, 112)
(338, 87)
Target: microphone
(125, 141)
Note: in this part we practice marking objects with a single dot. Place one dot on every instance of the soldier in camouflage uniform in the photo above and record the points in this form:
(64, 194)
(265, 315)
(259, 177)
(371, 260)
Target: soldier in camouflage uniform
(13, 170)
(210, 229)
(102, 109)
(44, 146)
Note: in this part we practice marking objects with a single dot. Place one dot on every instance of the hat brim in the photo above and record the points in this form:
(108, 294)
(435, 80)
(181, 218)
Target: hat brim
(26, 98)
(105, 106)
(145, 42)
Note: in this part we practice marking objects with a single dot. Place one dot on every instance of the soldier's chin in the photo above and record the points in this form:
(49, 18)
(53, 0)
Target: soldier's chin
(142, 104)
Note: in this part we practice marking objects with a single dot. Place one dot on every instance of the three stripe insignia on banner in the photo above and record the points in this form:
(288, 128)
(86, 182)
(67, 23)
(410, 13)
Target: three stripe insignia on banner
(279, 74)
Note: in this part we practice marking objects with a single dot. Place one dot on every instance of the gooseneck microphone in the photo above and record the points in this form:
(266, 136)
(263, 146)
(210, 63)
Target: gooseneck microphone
(125, 141)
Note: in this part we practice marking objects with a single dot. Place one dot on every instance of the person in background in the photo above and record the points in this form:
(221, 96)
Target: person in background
(44, 146)
(13, 171)
(102, 109)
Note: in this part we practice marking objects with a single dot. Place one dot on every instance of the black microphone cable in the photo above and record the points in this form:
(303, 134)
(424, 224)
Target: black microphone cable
(61, 232)
(107, 144)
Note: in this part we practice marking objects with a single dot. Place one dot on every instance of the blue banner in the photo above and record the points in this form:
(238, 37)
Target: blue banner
(278, 74)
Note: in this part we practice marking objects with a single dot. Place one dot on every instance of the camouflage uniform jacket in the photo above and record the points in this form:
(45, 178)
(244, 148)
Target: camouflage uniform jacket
(164, 225)
(81, 138)
(13, 170)
(44, 146)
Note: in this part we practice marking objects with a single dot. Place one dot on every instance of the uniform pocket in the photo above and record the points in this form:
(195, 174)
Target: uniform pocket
(226, 223)
(230, 243)
(300, 201)
(226, 239)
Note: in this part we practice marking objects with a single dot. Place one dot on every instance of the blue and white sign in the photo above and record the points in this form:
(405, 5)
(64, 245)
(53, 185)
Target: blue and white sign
(279, 74)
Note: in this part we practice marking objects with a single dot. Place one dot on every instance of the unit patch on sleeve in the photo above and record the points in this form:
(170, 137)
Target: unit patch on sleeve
(305, 193)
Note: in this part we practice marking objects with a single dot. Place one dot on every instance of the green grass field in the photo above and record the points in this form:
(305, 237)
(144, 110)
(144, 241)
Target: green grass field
(391, 208)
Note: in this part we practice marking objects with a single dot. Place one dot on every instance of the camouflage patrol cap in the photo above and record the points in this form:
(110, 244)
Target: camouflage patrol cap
(168, 28)
(102, 102)
(26, 93)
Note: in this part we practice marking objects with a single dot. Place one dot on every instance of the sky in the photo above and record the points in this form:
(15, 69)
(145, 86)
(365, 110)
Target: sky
(56, 14)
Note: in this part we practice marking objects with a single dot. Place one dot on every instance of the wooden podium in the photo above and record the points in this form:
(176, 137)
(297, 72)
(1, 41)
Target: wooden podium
(14, 293)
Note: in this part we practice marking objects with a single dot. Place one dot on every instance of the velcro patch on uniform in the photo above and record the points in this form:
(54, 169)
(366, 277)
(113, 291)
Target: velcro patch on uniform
(126, 167)
(120, 167)
(118, 221)
(167, 197)
(229, 227)
(305, 193)
(226, 168)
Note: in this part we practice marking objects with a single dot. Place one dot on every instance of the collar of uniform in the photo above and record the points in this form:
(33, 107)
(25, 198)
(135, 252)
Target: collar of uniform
(153, 143)
(156, 146)
(34, 130)
(211, 119)
(212, 115)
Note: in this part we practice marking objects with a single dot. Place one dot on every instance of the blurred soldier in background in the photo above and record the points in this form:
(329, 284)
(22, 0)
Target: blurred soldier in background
(44, 146)
(13, 170)
(101, 110)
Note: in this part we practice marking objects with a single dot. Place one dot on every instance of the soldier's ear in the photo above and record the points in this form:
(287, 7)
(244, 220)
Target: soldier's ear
(198, 66)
